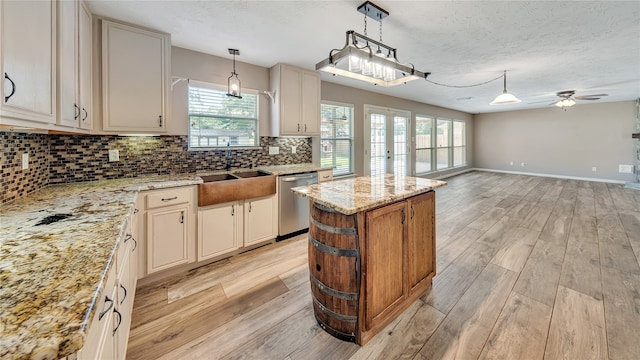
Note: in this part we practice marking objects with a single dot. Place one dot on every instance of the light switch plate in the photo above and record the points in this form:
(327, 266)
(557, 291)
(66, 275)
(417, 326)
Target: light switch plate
(25, 161)
(274, 150)
(293, 149)
(114, 155)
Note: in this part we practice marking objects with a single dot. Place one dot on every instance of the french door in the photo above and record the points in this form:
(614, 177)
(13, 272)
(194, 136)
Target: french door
(386, 134)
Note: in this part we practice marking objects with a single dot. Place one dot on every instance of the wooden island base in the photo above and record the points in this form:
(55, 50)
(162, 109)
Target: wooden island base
(366, 268)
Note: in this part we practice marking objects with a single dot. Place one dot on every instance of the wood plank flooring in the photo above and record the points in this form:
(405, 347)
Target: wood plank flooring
(527, 268)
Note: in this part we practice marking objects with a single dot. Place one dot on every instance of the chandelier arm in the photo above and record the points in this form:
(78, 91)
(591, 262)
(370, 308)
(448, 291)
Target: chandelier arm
(376, 42)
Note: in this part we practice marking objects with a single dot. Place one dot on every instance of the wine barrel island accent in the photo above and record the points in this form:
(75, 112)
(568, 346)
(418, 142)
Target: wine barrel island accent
(371, 250)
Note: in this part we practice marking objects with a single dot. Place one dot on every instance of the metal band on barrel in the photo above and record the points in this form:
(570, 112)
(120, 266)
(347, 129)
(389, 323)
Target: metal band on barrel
(335, 293)
(332, 250)
(333, 229)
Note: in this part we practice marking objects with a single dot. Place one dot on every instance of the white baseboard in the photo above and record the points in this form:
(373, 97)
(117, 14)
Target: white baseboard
(552, 176)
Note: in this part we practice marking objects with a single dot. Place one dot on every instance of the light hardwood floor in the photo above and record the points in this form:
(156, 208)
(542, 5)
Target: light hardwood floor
(527, 268)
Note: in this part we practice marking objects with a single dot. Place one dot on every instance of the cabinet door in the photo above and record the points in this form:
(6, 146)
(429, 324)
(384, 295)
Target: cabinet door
(134, 61)
(310, 103)
(260, 222)
(85, 71)
(421, 241)
(69, 111)
(290, 98)
(218, 230)
(28, 31)
(100, 342)
(384, 269)
(167, 235)
(125, 293)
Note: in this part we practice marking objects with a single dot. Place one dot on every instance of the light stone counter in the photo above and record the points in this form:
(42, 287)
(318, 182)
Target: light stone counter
(353, 195)
(52, 274)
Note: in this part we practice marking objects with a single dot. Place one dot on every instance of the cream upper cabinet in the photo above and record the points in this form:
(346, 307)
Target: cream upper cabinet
(135, 78)
(260, 219)
(74, 65)
(85, 71)
(28, 62)
(296, 111)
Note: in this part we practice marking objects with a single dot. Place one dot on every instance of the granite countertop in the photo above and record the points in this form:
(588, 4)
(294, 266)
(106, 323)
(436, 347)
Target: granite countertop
(353, 195)
(52, 273)
(291, 169)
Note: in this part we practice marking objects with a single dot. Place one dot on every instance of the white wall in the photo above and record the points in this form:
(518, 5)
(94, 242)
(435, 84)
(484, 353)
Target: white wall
(555, 142)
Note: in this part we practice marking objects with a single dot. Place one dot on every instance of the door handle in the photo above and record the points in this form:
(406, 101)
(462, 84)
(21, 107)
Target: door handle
(13, 88)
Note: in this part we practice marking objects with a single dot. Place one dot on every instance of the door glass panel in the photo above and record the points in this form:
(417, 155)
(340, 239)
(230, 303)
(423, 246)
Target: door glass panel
(378, 144)
(400, 145)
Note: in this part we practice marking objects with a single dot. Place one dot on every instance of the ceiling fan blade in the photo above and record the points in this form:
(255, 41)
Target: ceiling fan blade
(591, 95)
(586, 98)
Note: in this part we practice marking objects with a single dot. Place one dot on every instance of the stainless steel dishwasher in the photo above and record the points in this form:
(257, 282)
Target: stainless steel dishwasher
(294, 209)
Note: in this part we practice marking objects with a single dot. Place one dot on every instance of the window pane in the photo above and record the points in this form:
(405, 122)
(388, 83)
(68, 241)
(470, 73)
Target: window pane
(443, 130)
(443, 158)
(459, 156)
(336, 142)
(219, 120)
(423, 160)
(424, 125)
(458, 133)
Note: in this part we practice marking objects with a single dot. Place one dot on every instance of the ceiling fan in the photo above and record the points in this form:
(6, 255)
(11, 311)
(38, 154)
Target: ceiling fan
(567, 98)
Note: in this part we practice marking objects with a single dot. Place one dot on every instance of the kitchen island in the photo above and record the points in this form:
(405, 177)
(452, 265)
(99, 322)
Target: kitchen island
(371, 250)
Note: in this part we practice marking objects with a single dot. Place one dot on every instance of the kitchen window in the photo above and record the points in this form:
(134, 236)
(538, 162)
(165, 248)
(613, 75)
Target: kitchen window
(440, 144)
(336, 137)
(218, 120)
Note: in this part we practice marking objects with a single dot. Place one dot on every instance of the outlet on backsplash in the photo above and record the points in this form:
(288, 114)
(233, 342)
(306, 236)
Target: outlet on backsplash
(25, 161)
(274, 150)
(114, 155)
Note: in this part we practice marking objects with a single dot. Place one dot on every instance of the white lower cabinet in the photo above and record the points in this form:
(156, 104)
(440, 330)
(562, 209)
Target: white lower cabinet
(227, 227)
(219, 229)
(108, 332)
(260, 219)
(169, 228)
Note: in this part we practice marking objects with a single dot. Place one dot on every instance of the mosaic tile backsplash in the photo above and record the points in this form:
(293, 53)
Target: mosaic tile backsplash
(15, 182)
(59, 159)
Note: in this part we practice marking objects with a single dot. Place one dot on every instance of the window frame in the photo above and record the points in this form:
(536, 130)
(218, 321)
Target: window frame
(350, 138)
(223, 89)
(436, 145)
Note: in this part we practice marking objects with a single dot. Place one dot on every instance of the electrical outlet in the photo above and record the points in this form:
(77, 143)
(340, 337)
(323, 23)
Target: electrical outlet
(511, 163)
(625, 169)
(114, 155)
(523, 164)
(274, 150)
(594, 169)
(25, 161)
(293, 149)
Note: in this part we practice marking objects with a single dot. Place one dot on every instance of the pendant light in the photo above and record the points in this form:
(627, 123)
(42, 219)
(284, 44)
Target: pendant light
(505, 97)
(364, 58)
(233, 83)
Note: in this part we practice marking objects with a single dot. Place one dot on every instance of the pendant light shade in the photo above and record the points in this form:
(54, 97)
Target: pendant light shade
(233, 82)
(505, 97)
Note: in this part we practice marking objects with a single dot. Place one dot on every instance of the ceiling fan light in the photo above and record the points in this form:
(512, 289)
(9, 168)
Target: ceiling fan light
(505, 98)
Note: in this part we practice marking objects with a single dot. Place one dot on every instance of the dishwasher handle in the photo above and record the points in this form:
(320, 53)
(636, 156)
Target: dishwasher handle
(300, 177)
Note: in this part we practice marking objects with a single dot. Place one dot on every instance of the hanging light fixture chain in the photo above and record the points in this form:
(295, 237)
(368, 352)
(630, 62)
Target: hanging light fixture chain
(466, 86)
(365, 24)
(380, 21)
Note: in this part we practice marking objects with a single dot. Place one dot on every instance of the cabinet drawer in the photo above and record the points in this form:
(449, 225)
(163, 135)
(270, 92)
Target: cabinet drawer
(168, 197)
(325, 175)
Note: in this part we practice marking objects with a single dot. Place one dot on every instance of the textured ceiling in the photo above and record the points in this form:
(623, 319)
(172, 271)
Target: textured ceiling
(546, 46)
